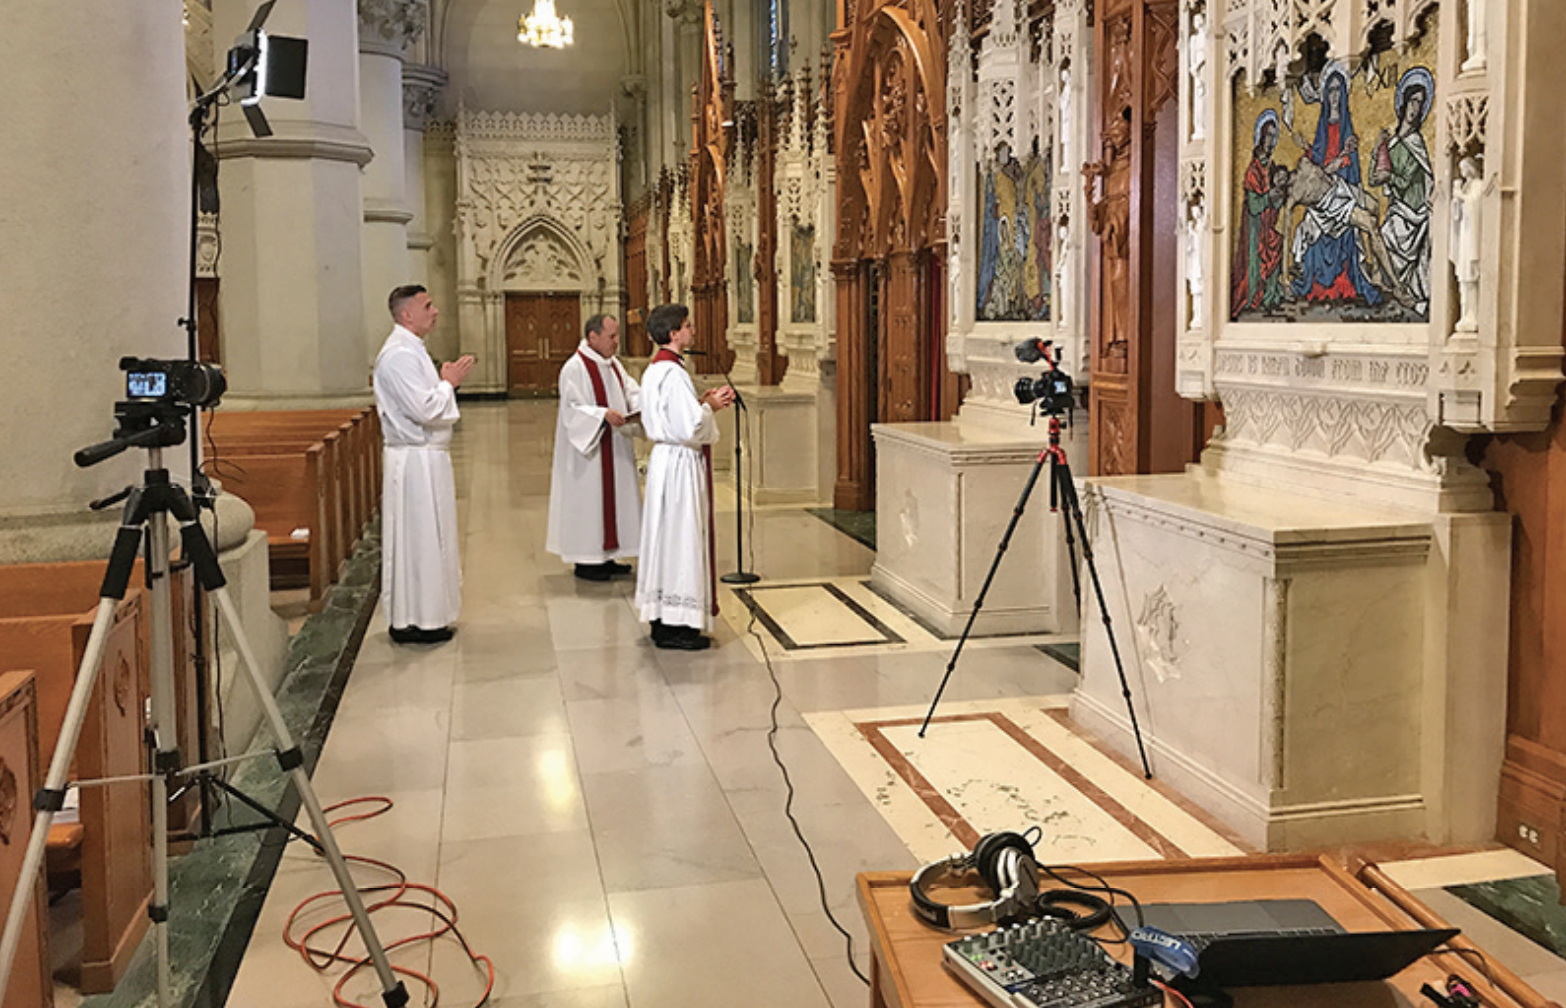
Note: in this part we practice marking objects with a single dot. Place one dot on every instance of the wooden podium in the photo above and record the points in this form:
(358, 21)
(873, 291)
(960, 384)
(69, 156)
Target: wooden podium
(907, 969)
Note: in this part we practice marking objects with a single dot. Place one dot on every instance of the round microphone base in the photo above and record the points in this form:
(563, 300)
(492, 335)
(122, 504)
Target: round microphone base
(740, 577)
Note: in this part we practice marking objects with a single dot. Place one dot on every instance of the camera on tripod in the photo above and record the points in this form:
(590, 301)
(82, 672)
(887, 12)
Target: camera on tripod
(1052, 390)
(160, 396)
(174, 382)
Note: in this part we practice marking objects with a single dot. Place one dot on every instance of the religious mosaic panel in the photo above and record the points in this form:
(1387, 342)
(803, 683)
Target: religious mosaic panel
(1015, 238)
(744, 283)
(802, 275)
(1334, 190)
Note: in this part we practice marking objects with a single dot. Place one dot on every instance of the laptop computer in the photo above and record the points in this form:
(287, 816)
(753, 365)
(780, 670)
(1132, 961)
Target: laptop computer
(1261, 943)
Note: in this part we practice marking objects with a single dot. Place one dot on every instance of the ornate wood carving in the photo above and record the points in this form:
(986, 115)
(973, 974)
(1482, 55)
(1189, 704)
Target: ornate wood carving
(770, 365)
(1138, 422)
(712, 119)
(634, 326)
(889, 118)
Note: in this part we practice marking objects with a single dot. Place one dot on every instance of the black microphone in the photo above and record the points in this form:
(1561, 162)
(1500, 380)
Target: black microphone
(693, 353)
(1031, 350)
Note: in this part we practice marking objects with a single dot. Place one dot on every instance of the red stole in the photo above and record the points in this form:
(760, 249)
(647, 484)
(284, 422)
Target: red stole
(605, 449)
(665, 354)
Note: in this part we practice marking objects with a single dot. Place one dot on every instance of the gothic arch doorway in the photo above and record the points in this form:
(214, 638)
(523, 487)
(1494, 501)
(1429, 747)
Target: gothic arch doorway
(541, 270)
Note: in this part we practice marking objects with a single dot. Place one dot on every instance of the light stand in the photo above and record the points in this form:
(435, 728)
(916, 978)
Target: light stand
(154, 426)
(258, 65)
(1062, 491)
(739, 575)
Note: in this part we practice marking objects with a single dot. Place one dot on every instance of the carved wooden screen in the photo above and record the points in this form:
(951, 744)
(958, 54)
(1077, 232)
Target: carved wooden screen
(769, 364)
(712, 123)
(889, 119)
(634, 340)
(1139, 423)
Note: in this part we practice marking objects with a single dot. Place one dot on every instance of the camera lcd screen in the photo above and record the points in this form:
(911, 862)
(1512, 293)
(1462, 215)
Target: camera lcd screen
(146, 384)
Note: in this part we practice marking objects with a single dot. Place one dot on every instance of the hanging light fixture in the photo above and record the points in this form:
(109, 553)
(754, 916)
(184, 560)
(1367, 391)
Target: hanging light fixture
(543, 28)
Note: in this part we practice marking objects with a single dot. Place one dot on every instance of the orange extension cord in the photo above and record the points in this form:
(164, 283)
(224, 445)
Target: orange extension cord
(403, 895)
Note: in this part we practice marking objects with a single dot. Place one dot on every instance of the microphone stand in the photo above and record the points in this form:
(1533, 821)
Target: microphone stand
(739, 575)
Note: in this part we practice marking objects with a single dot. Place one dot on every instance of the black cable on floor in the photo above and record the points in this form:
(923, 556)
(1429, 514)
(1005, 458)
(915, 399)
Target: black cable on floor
(788, 803)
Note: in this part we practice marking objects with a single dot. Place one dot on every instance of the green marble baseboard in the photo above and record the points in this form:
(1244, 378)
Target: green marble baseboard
(216, 890)
(1069, 655)
(1530, 906)
(857, 525)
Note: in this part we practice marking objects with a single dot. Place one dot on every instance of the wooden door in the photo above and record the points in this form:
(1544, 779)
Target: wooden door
(541, 333)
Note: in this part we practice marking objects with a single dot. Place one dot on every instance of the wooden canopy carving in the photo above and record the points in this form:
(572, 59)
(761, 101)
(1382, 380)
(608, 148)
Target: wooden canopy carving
(889, 122)
(712, 120)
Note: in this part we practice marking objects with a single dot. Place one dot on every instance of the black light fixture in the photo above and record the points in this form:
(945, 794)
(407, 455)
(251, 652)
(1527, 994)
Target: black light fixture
(262, 65)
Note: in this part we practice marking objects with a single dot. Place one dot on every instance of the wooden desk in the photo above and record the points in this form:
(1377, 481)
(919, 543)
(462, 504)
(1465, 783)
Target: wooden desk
(907, 970)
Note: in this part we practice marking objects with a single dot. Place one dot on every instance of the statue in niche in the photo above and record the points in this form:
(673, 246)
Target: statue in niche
(1196, 63)
(1109, 216)
(1065, 280)
(1280, 76)
(1476, 60)
(1467, 194)
(1401, 164)
(1195, 233)
(1067, 115)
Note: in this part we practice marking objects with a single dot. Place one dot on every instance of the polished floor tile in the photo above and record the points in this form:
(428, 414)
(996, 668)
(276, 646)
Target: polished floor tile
(610, 819)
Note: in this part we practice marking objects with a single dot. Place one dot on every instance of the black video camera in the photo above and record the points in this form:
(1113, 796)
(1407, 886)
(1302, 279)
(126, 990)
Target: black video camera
(1051, 390)
(174, 382)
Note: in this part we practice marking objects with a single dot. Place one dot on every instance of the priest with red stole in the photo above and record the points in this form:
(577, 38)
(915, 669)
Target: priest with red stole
(595, 511)
(675, 589)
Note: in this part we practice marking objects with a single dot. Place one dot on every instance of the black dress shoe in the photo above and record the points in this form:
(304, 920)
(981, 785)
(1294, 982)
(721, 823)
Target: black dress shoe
(660, 631)
(593, 572)
(418, 635)
(614, 567)
(692, 641)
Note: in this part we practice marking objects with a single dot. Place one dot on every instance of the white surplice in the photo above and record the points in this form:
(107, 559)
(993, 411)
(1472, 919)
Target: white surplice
(421, 574)
(576, 488)
(674, 579)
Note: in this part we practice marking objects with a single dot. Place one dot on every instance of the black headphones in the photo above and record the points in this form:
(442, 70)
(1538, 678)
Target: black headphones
(1005, 863)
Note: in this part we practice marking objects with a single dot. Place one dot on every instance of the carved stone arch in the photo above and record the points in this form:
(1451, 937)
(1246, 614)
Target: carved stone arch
(540, 254)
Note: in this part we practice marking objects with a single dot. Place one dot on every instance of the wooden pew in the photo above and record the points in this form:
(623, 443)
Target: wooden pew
(364, 440)
(21, 774)
(291, 490)
(46, 617)
(349, 482)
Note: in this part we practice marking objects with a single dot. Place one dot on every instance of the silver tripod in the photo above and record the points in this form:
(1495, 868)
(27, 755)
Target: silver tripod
(145, 507)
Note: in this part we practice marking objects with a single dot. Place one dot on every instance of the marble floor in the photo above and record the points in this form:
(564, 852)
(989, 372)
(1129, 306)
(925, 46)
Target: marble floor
(609, 820)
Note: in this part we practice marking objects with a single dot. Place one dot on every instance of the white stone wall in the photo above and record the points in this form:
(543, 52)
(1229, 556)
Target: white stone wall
(538, 210)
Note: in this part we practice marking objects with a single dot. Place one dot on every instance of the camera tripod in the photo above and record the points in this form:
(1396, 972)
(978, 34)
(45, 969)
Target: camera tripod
(1062, 496)
(145, 509)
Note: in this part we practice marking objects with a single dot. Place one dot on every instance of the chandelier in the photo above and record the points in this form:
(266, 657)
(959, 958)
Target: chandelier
(542, 28)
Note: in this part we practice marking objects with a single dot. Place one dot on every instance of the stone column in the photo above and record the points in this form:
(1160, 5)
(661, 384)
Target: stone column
(421, 87)
(386, 27)
(293, 315)
(94, 244)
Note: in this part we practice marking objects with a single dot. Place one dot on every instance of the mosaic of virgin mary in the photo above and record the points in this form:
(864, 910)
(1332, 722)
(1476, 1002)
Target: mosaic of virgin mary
(1328, 227)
